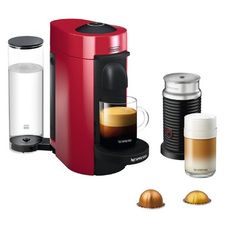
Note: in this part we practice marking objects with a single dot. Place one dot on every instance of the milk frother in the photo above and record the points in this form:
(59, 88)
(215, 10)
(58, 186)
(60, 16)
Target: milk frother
(181, 96)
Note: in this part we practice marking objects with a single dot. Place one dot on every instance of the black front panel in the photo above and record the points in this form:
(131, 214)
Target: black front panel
(52, 96)
(110, 83)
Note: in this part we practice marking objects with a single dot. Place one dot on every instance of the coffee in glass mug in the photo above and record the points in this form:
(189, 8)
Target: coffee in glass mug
(118, 123)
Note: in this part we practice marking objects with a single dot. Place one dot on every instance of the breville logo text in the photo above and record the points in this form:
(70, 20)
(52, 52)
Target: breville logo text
(114, 49)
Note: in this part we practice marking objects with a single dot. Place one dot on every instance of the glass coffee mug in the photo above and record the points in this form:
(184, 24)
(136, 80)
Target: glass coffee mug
(118, 123)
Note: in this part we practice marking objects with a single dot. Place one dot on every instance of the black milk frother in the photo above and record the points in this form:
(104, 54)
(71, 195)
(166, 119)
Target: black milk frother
(181, 96)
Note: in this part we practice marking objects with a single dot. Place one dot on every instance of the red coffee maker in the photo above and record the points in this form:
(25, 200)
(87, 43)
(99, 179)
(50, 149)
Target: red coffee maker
(88, 64)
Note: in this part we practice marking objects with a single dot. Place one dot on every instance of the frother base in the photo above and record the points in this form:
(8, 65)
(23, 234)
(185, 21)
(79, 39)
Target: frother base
(173, 155)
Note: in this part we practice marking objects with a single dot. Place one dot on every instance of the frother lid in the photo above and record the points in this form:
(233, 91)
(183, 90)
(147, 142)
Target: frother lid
(181, 78)
(25, 42)
(182, 86)
(200, 126)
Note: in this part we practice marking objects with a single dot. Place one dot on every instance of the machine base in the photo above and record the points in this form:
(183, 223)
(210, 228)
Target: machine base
(30, 143)
(173, 155)
(109, 161)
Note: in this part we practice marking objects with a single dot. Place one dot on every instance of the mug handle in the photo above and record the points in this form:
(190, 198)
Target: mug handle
(145, 121)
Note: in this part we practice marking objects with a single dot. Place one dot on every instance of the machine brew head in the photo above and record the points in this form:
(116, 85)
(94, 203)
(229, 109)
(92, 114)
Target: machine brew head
(181, 96)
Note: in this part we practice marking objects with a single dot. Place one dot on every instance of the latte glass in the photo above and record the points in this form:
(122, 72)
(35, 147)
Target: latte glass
(118, 123)
(200, 144)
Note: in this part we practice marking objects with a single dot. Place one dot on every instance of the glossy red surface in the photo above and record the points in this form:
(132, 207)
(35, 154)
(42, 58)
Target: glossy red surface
(74, 113)
(66, 39)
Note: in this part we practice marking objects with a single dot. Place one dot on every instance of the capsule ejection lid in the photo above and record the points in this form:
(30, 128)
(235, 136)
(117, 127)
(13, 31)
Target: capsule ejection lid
(96, 28)
(182, 86)
(25, 42)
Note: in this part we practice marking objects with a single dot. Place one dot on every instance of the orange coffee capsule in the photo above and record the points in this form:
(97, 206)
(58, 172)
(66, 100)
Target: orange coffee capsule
(150, 199)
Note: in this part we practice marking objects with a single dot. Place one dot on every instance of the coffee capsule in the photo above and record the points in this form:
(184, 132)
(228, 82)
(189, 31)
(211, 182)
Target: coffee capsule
(150, 199)
(197, 197)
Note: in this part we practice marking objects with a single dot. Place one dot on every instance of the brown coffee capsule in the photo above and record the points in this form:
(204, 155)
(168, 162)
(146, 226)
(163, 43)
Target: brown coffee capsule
(150, 199)
(197, 197)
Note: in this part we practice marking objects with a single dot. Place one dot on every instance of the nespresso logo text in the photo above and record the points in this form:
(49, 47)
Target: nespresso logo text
(125, 141)
(135, 159)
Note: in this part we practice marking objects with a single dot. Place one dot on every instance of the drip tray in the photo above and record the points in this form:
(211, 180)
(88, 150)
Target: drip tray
(30, 143)
(132, 155)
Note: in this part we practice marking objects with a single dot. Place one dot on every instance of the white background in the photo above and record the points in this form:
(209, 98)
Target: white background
(40, 196)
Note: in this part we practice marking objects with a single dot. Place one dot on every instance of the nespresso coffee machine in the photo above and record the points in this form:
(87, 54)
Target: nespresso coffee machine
(88, 64)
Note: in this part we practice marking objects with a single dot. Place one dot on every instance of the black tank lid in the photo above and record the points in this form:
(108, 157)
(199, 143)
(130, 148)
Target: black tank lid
(96, 28)
(25, 42)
